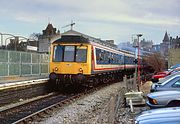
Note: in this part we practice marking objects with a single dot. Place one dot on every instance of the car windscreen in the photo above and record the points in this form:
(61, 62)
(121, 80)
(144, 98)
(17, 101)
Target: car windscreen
(166, 79)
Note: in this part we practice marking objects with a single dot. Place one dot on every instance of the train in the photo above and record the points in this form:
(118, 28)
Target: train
(77, 58)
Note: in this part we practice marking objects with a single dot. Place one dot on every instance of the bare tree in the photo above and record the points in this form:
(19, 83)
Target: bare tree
(34, 36)
(156, 61)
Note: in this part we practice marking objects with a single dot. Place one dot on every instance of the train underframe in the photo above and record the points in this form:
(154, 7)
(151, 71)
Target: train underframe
(62, 80)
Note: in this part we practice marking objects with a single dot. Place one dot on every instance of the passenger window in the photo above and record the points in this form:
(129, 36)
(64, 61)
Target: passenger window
(176, 84)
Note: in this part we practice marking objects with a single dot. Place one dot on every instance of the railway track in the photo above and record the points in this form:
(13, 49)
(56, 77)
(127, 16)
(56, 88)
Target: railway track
(13, 92)
(40, 108)
(24, 112)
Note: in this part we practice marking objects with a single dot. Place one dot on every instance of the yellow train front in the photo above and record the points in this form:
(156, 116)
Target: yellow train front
(70, 60)
(78, 59)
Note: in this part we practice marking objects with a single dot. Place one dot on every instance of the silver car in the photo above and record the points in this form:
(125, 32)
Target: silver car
(163, 99)
(159, 116)
(171, 82)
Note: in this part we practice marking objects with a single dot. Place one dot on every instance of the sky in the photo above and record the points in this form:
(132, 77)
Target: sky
(118, 20)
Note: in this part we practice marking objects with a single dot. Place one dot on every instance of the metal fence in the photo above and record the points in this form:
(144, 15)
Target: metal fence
(15, 63)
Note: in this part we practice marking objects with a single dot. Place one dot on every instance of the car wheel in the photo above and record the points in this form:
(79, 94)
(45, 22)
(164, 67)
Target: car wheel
(173, 104)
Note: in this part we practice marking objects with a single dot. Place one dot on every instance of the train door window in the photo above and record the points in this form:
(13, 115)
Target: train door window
(98, 55)
(81, 54)
(58, 53)
(112, 58)
(69, 53)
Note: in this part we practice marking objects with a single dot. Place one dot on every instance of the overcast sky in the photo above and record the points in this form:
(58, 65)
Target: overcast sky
(105, 19)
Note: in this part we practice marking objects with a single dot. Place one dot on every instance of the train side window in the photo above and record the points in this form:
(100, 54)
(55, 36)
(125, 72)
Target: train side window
(106, 60)
(120, 59)
(58, 53)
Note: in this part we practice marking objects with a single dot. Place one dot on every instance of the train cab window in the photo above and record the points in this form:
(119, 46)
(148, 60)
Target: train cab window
(69, 53)
(58, 53)
(81, 54)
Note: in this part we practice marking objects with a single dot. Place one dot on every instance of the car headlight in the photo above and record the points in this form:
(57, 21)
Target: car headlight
(154, 101)
(136, 122)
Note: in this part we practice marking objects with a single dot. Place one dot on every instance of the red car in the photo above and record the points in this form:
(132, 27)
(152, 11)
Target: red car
(156, 77)
(159, 75)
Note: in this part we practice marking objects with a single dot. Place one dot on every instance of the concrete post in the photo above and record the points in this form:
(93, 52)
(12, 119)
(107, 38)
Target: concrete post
(125, 82)
(111, 117)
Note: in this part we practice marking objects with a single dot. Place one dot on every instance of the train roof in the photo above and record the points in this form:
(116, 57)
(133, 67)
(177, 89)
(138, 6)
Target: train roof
(72, 39)
(76, 37)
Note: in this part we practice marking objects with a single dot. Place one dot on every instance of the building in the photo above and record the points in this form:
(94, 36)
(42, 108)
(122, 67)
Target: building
(49, 35)
(175, 42)
(165, 45)
(156, 48)
(146, 45)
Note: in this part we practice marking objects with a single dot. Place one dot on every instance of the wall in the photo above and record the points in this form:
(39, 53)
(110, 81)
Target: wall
(15, 63)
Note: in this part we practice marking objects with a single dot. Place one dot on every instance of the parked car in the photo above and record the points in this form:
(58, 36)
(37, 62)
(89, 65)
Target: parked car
(163, 99)
(171, 82)
(175, 66)
(159, 116)
(155, 78)
(159, 75)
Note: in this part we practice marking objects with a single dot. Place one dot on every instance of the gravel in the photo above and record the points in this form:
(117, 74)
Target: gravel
(93, 109)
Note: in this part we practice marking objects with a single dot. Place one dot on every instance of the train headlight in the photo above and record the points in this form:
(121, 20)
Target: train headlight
(56, 69)
(81, 70)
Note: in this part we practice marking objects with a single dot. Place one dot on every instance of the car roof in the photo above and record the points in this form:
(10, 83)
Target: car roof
(175, 66)
(161, 115)
(169, 77)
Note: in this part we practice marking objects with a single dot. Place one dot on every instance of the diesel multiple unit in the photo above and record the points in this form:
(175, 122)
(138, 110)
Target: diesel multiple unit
(77, 58)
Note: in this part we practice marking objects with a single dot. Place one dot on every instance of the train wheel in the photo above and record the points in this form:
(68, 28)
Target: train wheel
(51, 85)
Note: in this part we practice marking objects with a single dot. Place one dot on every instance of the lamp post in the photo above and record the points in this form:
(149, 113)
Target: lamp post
(136, 44)
(139, 73)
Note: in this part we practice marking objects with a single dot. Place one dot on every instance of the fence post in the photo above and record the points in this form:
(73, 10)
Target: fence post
(111, 117)
(39, 64)
(8, 62)
(125, 82)
(20, 65)
(31, 64)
